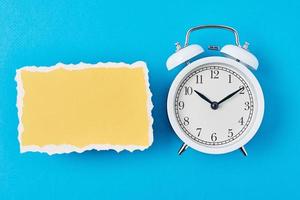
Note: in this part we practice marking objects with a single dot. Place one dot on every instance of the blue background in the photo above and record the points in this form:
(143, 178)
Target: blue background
(46, 32)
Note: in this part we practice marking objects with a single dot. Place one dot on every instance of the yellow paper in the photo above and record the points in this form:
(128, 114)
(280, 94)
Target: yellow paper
(67, 108)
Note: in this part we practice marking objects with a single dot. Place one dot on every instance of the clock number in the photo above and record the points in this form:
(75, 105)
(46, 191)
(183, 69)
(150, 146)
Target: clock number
(241, 121)
(199, 79)
(198, 131)
(242, 90)
(213, 137)
(230, 132)
(186, 121)
(247, 105)
(229, 78)
(188, 90)
(214, 74)
(181, 105)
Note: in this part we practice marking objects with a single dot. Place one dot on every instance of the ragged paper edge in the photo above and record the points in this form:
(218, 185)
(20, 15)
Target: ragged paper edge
(67, 148)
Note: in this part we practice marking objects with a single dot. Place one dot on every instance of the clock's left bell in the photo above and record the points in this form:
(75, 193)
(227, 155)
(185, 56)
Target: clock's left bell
(183, 55)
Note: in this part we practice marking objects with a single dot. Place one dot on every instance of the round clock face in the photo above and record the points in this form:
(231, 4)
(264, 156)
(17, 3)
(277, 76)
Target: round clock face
(215, 106)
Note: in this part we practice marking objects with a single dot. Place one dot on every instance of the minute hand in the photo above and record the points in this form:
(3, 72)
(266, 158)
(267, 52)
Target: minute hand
(230, 95)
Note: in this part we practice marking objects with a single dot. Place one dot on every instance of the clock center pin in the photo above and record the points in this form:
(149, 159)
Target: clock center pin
(214, 105)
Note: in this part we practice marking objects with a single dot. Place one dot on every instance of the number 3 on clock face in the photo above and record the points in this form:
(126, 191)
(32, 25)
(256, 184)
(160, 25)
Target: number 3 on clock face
(215, 105)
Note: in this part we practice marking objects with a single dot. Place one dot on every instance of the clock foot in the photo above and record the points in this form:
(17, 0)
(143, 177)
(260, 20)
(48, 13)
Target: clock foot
(244, 151)
(182, 148)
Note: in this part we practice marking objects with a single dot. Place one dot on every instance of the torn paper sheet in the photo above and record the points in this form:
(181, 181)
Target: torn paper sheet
(67, 108)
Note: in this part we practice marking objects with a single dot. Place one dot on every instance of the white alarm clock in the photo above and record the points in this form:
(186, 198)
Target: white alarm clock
(215, 104)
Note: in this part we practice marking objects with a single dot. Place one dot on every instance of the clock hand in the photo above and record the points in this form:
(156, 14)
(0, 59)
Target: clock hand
(230, 95)
(203, 97)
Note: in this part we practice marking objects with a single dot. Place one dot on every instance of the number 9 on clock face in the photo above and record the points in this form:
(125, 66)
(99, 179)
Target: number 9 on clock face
(215, 105)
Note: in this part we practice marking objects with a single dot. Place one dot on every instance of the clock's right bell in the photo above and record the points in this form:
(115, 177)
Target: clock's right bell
(241, 54)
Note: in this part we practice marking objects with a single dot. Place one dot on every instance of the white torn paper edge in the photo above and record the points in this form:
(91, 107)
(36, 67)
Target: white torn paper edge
(67, 148)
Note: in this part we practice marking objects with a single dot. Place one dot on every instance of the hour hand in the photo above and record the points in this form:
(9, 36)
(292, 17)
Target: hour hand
(203, 97)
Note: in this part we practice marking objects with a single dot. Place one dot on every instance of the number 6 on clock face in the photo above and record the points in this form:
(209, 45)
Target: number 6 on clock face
(215, 105)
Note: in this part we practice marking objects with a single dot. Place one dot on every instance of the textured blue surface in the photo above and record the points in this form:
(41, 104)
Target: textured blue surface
(47, 32)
